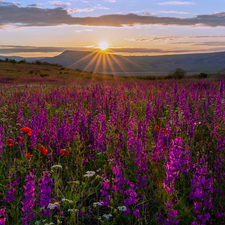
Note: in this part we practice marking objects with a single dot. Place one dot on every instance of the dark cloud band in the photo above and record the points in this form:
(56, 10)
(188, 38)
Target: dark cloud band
(13, 14)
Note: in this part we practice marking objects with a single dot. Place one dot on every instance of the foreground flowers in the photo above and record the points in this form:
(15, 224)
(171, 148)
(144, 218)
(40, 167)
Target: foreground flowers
(9, 142)
(43, 150)
(64, 152)
(27, 130)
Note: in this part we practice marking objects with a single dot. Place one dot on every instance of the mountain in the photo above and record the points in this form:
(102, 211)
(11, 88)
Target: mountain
(103, 62)
(18, 58)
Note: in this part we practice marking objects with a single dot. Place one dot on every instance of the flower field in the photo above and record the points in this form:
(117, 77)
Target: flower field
(113, 153)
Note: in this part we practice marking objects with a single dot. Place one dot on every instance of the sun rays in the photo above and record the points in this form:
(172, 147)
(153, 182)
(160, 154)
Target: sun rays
(104, 61)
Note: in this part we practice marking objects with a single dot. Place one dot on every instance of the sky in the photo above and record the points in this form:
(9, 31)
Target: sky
(38, 28)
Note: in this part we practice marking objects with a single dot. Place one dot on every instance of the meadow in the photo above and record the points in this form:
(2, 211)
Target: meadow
(112, 152)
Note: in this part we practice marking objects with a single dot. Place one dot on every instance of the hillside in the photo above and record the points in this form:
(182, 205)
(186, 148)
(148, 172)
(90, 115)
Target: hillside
(108, 63)
(14, 72)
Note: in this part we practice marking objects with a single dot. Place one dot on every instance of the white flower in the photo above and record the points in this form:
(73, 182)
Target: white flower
(57, 166)
(110, 160)
(89, 174)
(97, 203)
(107, 216)
(122, 208)
(100, 153)
(67, 200)
(72, 210)
(52, 206)
(39, 221)
(98, 170)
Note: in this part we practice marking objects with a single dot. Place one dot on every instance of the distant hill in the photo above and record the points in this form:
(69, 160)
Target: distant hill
(108, 63)
(18, 58)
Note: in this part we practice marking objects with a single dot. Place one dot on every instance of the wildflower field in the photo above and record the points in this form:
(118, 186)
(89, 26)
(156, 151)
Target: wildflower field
(135, 152)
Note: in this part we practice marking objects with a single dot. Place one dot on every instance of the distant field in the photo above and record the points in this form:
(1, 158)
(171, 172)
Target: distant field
(28, 71)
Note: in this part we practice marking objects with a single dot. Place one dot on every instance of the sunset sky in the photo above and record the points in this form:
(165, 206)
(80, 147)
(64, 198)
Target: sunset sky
(32, 28)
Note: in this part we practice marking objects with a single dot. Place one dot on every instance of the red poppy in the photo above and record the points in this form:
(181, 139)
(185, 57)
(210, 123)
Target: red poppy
(3, 110)
(23, 106)
(53, 202)
(10, 98)
(11, 115)
(157, 127)
(49, 103)
(64, 152)
(153, 97)
(43, 150)
(28, 155)
(124, 96)
(6, 102)
(9, 142)
(19, 139)
(27, 130)
(164, 131)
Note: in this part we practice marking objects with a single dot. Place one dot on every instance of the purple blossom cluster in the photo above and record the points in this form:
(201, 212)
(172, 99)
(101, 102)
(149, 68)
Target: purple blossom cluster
(10, 191)
(45, 190)
(29, 202)
(202, 190)
(3, 217)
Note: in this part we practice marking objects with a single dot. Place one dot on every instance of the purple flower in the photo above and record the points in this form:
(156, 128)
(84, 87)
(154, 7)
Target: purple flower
(29, 201)
(2, 214)
(173, 213)
(45, 193)
(136, 213)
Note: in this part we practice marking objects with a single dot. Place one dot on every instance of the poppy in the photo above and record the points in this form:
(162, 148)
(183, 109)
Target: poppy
(49, 103)
(28, 155)
(11, 115)
(157, 127)
(27, 130)
(19, 139)
(9, 142)
(23, 106)
(43, 150)
(124, 96)
(3, 110)
(164, 131)
(10, 98)
(6, 102)
(64, 152)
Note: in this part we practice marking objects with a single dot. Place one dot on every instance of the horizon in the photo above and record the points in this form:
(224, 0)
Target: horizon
(47, 28)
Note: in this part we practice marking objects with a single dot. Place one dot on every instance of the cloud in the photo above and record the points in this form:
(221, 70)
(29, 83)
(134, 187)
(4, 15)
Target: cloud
(41, 51)
(110, 0)
(83, 10)
(12, 14)
(170, 38)
(34, 5)
(176, 3)
(60, 3)
(175, 12)
(148, 13)
(219, 43)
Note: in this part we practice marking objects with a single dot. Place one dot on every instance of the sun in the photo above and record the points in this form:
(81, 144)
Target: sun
(103, 45)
